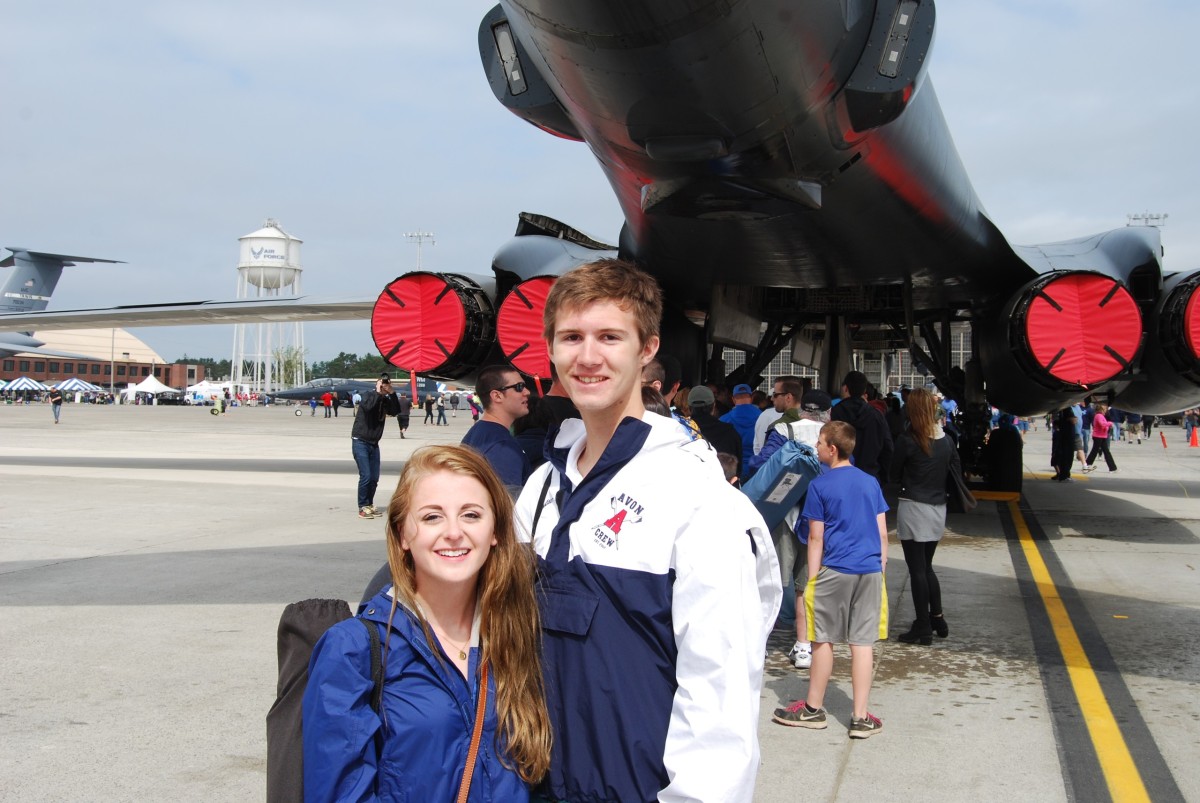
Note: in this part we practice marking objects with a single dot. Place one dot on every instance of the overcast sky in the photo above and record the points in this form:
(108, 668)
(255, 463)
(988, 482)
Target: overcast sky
(159, 132)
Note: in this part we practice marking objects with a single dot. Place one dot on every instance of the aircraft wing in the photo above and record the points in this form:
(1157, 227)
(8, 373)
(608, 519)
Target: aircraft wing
(258, 310)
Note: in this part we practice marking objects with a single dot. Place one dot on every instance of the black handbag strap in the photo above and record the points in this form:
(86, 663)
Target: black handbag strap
(537, 514)
(376, 666)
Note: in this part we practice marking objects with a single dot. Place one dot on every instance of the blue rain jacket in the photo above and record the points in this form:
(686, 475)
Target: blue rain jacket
(428, 709)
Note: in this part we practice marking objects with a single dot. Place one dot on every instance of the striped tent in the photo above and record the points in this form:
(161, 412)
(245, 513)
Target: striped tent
(76, 384)
(2, 384)
(24, 383)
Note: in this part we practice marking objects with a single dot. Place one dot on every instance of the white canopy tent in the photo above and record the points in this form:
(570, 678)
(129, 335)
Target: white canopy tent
(206, 387)
(148, 385)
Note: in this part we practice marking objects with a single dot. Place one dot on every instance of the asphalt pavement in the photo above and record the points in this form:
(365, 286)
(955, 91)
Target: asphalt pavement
(147, 552)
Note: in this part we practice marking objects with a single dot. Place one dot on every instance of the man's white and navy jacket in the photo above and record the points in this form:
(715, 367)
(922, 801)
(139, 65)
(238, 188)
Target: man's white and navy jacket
(658, 585)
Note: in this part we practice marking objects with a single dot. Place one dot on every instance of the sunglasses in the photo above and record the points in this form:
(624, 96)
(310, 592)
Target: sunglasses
(519, 387)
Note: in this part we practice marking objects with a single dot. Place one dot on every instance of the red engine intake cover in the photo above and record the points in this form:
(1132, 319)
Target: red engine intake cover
(519, 327)
(418, 322)
(1083, 328)
(1191, 324)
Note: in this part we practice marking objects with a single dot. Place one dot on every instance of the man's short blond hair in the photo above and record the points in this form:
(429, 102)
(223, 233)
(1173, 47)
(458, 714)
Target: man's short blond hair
(615, 280)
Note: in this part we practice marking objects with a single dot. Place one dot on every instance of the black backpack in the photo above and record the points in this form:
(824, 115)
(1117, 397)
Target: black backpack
(300, 627)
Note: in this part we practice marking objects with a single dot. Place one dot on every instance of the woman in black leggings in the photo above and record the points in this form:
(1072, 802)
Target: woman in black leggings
(923, 459)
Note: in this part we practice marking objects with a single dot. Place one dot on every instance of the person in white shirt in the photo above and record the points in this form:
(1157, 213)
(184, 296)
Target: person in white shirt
(656, 603)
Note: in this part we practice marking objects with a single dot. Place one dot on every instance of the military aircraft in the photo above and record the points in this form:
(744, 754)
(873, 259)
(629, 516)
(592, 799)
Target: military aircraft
(787, 175)
(34, 277)
(345, 389)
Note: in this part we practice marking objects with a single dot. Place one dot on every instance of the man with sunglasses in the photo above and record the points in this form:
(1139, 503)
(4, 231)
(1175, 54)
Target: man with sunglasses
(505, 398)
(781, 402)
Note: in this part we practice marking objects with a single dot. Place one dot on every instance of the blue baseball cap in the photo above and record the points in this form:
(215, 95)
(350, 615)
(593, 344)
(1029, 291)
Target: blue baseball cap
(742, 390)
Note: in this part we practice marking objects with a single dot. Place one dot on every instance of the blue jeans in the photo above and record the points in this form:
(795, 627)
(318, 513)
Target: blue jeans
(366, 457)
(57, 409)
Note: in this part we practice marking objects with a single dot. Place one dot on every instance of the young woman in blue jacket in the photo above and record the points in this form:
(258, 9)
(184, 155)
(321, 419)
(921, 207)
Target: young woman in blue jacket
(461, 596)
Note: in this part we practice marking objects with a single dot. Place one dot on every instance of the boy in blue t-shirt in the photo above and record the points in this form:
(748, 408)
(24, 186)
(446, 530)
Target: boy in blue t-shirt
(845, 598)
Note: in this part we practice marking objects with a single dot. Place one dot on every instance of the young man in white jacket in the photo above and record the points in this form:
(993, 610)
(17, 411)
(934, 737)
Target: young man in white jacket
(657, 580)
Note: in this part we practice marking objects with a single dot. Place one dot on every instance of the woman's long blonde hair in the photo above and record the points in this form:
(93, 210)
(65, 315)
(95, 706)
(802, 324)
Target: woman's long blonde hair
(922, 418)
(510, 633)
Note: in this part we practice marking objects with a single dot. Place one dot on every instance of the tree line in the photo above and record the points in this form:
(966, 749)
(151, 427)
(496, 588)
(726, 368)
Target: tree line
(343, 365)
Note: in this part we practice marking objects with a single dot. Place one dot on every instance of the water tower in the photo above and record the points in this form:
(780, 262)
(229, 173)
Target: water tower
(268, 356)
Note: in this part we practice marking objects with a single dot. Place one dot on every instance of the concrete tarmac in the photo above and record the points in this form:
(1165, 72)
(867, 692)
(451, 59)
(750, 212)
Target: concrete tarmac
(147, 552)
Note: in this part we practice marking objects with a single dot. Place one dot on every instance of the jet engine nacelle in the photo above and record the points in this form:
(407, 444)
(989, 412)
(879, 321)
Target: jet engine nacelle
(441, 324)
(1169, 376)
(1063, 336)
(449, 325)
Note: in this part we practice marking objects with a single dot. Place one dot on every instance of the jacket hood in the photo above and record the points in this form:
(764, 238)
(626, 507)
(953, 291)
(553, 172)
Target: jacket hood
(857, 409)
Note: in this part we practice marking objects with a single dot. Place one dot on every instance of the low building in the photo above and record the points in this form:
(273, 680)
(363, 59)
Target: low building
(109, 358)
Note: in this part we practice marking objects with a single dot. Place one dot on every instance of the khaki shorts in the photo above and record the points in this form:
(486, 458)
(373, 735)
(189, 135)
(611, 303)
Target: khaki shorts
(846, 608)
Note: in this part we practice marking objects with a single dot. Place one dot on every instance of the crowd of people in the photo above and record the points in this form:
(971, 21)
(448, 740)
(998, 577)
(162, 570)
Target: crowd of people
(1083, 433)
(609, 631)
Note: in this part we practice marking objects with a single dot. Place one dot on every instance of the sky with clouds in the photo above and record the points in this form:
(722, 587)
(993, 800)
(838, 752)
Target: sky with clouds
(159, 132)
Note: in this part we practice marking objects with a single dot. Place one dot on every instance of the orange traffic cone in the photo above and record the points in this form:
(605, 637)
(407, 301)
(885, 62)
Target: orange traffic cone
(1195, 444)
(1163, 435)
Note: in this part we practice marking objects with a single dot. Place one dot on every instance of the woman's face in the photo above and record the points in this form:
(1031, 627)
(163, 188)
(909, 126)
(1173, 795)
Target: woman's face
(449, 531)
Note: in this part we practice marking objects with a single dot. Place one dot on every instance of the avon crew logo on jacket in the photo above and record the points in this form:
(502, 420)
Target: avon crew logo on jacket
(626, 510)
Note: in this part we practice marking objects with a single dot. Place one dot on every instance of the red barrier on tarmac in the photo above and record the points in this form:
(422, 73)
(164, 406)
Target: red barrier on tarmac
(1163, 435)
(1195, 444)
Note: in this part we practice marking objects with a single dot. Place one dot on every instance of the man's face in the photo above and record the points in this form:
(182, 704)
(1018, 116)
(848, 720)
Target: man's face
(599, 358)
(512, 402)
(782, 401)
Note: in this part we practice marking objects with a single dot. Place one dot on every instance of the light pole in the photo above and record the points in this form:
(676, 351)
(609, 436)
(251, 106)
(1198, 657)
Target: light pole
(420, 237)
(112, 365)
(125, 357)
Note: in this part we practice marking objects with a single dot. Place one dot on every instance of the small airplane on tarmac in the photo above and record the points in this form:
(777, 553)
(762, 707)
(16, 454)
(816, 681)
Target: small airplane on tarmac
(345, 389)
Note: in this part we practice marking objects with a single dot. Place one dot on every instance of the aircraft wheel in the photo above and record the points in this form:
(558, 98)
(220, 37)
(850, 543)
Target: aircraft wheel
(215, 411)
(299, 412)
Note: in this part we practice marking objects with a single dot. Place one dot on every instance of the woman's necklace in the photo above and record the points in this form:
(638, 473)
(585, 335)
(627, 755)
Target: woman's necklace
(441, 634)
(462, 650)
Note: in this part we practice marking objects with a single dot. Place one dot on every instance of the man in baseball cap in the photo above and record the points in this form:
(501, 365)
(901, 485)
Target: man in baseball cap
(722, 436)
(815, 401)
(743, 417)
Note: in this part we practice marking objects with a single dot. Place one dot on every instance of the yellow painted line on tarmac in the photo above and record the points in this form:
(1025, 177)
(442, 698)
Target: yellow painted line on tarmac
(997, 496)
(1035, 475)
(1120, 772)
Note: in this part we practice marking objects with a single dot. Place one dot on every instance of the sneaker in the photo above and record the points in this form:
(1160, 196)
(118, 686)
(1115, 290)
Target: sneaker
(800, 655)
(366, 512)
(377, 511)
(799, 715)
(862, 728)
